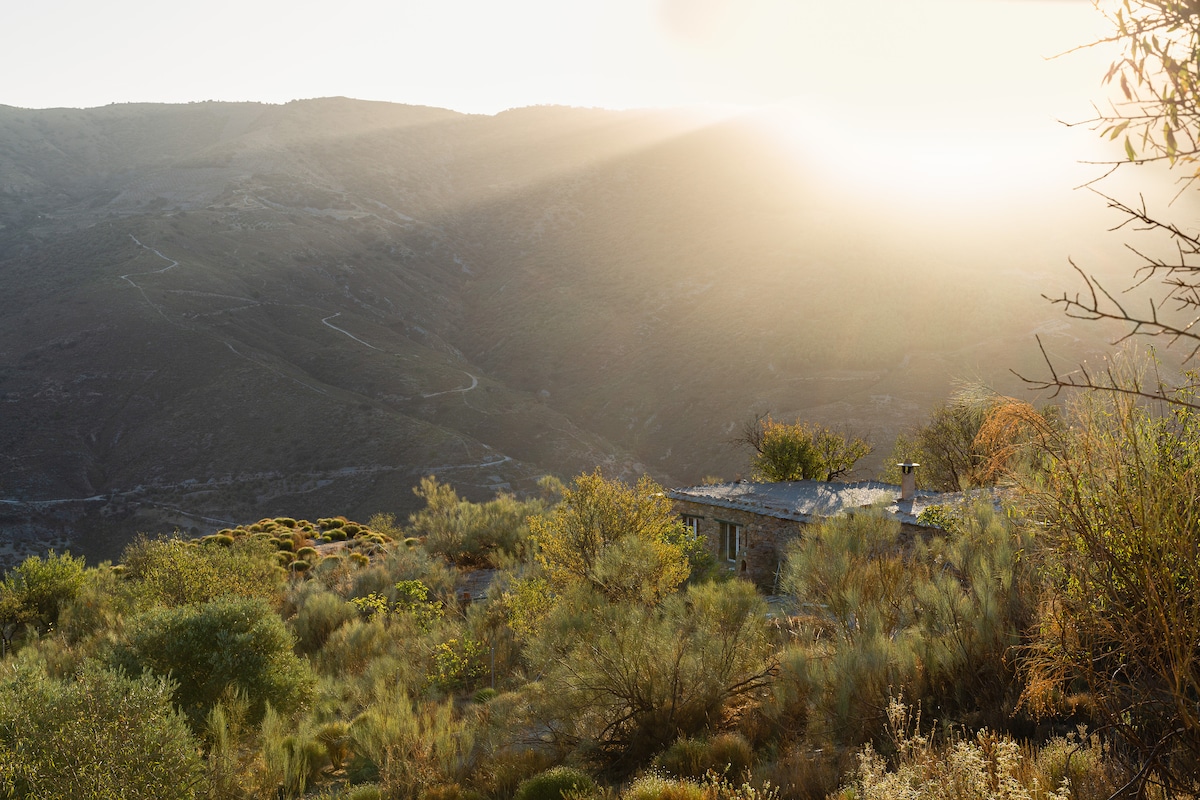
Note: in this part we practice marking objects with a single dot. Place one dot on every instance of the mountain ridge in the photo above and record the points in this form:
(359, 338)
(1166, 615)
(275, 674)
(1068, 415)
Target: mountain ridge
(250, 310)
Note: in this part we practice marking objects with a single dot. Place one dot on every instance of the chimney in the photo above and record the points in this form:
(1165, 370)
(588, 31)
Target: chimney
(908, 480)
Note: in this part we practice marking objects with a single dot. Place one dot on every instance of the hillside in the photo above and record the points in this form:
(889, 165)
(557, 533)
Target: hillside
(219, 312)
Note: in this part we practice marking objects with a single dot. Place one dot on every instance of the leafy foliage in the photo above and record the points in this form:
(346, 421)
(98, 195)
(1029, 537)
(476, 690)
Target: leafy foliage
(622, 542)
(935, 619)
(631, 679)
(228, 644)
(800, 451)
(1121, 511)
(97, 736)
(173, 572)
(37, 588)
(469, 533)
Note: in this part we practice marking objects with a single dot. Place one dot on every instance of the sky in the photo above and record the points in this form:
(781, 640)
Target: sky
(483, 56)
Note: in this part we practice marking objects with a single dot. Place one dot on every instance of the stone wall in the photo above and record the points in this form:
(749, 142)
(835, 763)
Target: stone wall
(764, 539)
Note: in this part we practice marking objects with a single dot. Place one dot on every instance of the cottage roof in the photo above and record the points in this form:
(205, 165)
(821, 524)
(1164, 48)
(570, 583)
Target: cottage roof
(808, 501)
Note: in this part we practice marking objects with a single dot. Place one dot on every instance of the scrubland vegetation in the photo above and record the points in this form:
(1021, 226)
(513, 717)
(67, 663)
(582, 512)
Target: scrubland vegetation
(1043, 647)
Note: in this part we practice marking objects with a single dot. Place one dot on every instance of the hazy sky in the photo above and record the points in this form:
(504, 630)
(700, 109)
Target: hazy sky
(486, 55)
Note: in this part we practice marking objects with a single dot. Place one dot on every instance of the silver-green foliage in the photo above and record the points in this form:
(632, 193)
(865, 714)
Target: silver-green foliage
(228, 644)
(97, 736)
(631, 678)
(933, 618)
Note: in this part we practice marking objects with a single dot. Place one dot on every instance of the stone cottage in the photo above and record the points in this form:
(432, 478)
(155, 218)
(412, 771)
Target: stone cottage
(748, 525)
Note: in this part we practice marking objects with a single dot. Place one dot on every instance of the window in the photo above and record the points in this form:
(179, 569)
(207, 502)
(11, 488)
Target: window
(731, 540)
(692, 524)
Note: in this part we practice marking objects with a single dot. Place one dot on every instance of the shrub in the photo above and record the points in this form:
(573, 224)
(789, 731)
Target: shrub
(554, 784)
(685, 758)
(300, 565)
(656, 787)
(227, 644)
(632, 678)
(730, 754)
(170, 573)
(38, 587)
(318, 618)
(457, 664)
(725, 754)
(309, 554)
(286, 522)
(98, 736)
(412, 745)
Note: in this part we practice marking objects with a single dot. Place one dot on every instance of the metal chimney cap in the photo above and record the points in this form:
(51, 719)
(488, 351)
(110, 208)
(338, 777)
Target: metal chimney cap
(907, 466)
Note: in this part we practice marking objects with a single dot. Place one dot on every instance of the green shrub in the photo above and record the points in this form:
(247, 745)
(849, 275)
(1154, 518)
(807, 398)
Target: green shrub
(352, 529)
(318, 618)
(730, 754)
(101, 735)
(300, 565)
(309, 554)
(335, 737)
(169, 572)
(725, 754)
(457, 664)
(286, 522)
(35, 589)
(554, 783)
(226, 644)
(510, 767)
(685, 758)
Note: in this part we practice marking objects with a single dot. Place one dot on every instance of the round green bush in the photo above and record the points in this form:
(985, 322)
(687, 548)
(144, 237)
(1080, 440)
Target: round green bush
(300, 565)
(485, 695)
(286, 522)
(352, 528)
(551, 784)
(308, 553)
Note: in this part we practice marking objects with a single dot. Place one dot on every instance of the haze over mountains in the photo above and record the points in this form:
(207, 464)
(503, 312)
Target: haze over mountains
(218, 312)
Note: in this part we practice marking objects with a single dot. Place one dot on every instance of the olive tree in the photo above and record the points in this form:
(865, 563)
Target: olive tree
(228, 644)
(98, 735)
(800, 451)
